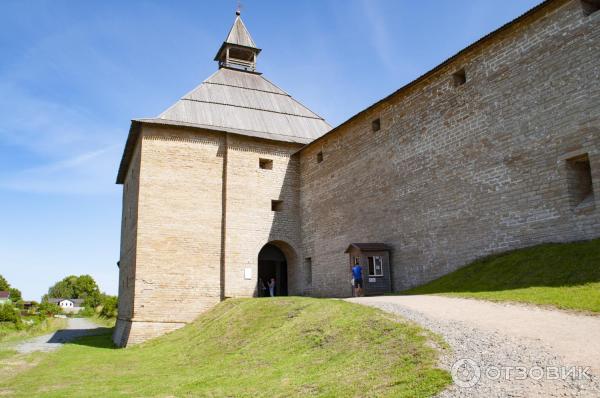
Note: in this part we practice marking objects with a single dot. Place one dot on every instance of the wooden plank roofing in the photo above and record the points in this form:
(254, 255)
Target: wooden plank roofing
(239, 34)
(249, 103)
(237, 102)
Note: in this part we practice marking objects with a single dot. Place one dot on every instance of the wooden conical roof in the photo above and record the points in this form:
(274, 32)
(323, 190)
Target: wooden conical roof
(248, 104)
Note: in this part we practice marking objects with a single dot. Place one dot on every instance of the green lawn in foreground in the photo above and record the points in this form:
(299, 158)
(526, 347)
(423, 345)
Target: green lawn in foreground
(564, 275)
(281, 347)
(12, 362)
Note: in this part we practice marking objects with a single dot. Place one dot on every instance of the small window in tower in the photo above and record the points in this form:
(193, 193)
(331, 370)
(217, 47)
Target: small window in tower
(579, 180)
(265, 164)
(277, 205)
(590, 6)
(459, 77)
(319, 157)
(308, 270)
(376, 124)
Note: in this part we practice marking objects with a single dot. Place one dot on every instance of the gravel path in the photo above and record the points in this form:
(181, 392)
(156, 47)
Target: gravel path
(77, 327)
(507, 350)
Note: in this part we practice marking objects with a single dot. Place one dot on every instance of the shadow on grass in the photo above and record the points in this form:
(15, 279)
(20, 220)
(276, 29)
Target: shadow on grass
(547, 265)
(98, 338)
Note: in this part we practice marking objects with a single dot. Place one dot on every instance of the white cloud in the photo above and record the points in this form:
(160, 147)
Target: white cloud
(46, 127)
(380, 34)
(91, 172)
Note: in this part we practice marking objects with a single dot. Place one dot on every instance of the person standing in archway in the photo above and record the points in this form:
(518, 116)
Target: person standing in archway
(358, 280)
(262, 287)
(272, 287)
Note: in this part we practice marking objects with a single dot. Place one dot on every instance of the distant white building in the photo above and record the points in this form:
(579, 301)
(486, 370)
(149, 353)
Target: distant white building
(4, 297)
(68, 305)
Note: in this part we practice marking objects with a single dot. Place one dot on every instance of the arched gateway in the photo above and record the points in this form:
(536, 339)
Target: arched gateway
(276, 260)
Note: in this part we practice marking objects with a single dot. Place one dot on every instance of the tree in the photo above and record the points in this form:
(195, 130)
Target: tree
(8, 313)
(15, 295)
(63, 288)
(4, 285)
(109, 306)
(77, 287)
(87, 289)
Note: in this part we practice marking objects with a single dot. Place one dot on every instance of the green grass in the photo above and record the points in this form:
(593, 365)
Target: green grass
(282, 347)
(11, 362)
(6, 353)
(565, 276)
(102, 321)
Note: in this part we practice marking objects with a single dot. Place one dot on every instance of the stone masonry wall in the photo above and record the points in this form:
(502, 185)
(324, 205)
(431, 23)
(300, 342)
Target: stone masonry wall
(459, 172)
(186, 178)
(179, 229)
(250, 222)
(128, 248)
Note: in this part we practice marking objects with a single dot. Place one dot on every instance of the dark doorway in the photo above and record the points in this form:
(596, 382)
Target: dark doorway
(272, 264)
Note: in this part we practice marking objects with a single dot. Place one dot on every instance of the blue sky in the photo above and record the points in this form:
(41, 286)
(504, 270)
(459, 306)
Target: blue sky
(74, 73)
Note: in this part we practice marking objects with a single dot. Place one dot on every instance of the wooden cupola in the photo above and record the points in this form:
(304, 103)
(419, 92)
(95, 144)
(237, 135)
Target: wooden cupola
(238, 51)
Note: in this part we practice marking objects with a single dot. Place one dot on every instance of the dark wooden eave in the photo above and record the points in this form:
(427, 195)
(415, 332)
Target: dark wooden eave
(368, 247)
(134, 132)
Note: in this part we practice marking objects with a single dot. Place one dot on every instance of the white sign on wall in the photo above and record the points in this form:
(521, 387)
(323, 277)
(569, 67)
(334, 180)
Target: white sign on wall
(247, 273)
(371, 280)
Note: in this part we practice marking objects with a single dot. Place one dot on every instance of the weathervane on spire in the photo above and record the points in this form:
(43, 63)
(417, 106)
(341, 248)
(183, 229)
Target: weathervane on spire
(238, 51)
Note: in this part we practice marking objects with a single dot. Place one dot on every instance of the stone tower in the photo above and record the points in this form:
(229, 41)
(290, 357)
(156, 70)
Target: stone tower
(206, 185)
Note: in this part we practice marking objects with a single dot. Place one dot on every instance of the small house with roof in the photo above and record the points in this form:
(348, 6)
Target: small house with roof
(68, 305)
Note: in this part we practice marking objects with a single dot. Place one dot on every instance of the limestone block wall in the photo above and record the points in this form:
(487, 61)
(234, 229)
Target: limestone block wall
(457, 172)
(179, 229)
(250, 221)
(128, 247)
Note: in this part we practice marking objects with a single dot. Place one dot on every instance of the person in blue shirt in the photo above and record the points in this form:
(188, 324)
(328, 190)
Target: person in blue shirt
(358, 279)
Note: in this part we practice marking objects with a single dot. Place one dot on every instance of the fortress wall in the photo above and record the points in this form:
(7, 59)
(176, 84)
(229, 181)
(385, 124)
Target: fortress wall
(460, 172)
(250, 222)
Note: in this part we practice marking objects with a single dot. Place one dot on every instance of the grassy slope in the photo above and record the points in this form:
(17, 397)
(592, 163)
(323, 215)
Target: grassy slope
(562, 275)
(252, 347)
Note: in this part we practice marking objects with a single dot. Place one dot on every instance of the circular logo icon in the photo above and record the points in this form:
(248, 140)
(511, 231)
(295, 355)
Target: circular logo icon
(465, 373)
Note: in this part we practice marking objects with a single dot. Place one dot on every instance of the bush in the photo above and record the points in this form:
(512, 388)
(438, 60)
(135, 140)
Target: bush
(15, 295)
(9, 314)
(109, 306)
(86, 312)
(49, 309)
